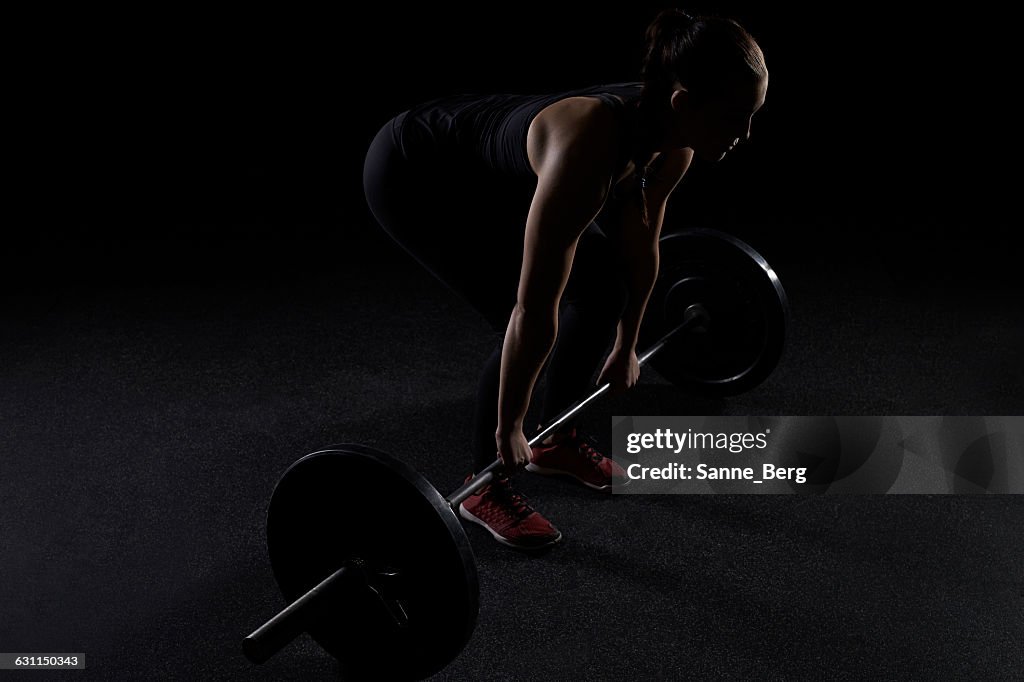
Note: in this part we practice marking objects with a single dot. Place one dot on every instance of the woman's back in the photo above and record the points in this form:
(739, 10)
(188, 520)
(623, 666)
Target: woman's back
(488, 132)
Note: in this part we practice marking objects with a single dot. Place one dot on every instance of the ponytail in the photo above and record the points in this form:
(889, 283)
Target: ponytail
(699, 52)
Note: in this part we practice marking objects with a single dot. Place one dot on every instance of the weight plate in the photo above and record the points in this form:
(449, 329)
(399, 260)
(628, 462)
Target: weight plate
(746, 305)
(352, 502)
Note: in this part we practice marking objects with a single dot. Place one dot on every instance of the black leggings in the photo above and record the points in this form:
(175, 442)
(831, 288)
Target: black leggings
(467, 229)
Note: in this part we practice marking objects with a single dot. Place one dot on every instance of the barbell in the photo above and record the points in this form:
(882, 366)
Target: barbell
(373, 560)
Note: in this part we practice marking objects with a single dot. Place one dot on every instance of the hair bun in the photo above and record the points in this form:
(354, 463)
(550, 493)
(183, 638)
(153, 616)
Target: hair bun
(698, 52)
(669, 23)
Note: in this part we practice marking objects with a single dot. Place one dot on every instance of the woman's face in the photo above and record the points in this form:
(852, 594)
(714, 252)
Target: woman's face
(713, 126)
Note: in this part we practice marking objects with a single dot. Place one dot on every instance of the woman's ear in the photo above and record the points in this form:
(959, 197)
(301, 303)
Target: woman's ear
(680, 99)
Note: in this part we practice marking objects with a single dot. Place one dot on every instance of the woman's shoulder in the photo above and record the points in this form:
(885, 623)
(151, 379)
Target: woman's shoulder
(583, 108)
(578, 114)
(582, 124)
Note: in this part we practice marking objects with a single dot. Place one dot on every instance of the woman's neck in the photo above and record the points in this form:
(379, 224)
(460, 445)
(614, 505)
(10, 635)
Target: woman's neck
(653, 130)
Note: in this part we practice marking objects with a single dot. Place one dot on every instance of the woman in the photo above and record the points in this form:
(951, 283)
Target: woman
(544, 212)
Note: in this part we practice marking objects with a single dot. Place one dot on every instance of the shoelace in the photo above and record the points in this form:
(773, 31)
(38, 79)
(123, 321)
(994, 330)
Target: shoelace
(587, 447)
(503, 492)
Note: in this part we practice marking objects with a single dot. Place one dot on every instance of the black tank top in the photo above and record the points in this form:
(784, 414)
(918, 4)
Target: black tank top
(488, 132)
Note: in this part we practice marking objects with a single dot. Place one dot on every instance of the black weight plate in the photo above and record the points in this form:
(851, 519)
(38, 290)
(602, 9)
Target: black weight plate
(745, 302)
(353, 502)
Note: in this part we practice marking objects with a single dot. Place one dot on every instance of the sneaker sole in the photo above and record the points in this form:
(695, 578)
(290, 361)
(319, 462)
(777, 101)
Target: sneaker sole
(464, 513)
(558, 472)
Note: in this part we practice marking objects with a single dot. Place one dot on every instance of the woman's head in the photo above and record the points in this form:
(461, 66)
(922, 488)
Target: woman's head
(709, 75)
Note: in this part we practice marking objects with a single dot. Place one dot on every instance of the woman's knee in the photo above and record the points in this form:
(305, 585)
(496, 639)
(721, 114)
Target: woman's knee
(381, 168)
(603, 297)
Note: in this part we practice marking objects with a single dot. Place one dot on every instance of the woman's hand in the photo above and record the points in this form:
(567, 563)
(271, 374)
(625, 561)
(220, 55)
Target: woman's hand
(621, 369)
(514, 449)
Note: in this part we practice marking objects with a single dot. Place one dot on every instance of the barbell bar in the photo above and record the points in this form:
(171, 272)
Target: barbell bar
(375, 563)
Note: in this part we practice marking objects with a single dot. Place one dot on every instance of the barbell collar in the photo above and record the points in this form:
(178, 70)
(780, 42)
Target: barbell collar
(273, 635)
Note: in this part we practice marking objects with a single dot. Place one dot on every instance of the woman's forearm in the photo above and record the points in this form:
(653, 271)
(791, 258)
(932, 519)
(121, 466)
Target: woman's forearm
(528, 341)
(641, 274)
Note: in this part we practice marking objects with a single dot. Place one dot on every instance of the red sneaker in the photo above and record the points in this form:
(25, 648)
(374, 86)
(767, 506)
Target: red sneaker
(576, 456)
(506, 514)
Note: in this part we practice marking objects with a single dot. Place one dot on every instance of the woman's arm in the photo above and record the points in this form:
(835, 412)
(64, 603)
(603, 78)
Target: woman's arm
(570, 151)
(638, 246)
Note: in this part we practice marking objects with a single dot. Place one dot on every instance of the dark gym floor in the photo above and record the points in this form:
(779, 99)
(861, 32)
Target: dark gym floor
(145, 425)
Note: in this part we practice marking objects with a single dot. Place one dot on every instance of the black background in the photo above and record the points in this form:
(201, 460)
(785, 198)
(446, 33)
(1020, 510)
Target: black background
(142, 428)
(212, 142)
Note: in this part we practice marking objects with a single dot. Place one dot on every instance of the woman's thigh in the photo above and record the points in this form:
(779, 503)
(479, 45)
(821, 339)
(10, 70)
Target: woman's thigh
(466, 230)
(596, 281)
